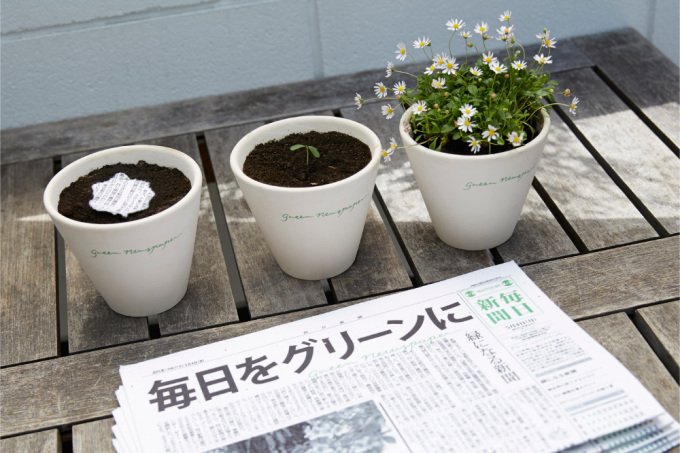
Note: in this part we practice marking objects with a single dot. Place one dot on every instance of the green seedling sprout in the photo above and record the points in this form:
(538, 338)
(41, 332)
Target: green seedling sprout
(310, 150)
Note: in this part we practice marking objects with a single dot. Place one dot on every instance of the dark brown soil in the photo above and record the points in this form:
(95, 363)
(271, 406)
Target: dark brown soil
(168, 184)
(274, 163)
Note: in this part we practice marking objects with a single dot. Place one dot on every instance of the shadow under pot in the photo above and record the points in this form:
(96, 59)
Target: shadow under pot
(140, 263)
(312, 230)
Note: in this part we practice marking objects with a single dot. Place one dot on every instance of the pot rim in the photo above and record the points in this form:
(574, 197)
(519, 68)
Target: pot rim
(412, 145)
(308, 125)
(195, 178)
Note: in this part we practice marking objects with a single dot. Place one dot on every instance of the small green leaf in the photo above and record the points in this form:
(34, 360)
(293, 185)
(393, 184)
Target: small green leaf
(314, 151)
(296, 147)
(472, 89)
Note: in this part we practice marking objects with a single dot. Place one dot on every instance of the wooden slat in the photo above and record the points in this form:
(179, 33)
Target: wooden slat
(93, 437)
(41, 442)
(267, 288)
(538, 236)
(595, 207)
(78, 387)
(611, 280)
(620, 337)
(638, 156)
(28, 311)
(209, 300)
(660, 325)
(91, 323)
(629, 60)
(175, 118)
(377, 269)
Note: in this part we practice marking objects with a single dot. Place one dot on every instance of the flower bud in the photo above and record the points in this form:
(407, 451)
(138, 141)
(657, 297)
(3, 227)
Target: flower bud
(507, 76)
(566, 92)
(493, 95)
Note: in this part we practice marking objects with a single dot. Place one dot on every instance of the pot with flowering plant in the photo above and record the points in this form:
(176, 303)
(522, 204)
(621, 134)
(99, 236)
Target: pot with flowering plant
(474, 130)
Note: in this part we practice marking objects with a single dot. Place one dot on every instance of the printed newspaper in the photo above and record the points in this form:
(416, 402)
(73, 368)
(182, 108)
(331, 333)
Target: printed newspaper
(481, 362)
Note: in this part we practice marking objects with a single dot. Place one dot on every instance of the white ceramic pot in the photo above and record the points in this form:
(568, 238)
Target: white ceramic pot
(474, 201)
(141, 267)
(313, 232)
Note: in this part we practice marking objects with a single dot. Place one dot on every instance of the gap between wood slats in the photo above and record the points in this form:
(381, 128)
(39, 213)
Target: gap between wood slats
(628, 311)
(609, 170)
(653, 342)
(635, 109)
(60, 277)
(237, 290)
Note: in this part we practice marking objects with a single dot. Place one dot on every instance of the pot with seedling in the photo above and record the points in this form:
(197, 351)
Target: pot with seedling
(474, 130)
(308, 181)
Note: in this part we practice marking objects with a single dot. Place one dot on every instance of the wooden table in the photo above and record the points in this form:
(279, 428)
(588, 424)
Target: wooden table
(599, 234)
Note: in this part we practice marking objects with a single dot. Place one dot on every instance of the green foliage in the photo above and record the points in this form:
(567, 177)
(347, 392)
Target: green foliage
(310, 150)
(506, 91)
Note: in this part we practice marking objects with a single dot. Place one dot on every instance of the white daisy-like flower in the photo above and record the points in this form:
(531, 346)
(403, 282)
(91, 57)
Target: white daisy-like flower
(468, 110)
(450, 67)
(488, 58)
(505, 33)
(491, 132)
(544, 35)
(548, 42)
(399, 88)
(387, 111)
(439, 83)
(431, 69)
(542, 60)
(498, 68)
(380, 90)
(358, 101)
(400, 52)
(466, 34)
(519, 65)
(516, 139)
(389, 69)
(465, 124)
(387, 155)
(439, 60)
(475, 145)
(455, 24)
(475, 71)
(481, 28)
(421, 43)
(574, 105)
(419, 107)
(393, 143)
(505, 17)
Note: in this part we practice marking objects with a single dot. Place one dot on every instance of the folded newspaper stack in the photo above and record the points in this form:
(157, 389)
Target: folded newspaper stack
(481, 362)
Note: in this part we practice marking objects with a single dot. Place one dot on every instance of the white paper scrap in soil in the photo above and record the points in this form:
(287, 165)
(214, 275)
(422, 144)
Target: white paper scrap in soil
(121, 195)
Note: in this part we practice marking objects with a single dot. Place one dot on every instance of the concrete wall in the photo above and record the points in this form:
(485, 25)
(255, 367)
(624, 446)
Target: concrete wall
(81, 57)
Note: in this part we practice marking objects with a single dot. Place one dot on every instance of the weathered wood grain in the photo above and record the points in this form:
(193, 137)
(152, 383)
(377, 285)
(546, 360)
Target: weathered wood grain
(639, 157)
(620, 337)
(93, 437)
(641, 71)
(596, 208)
(194, 115)
(267, 288)
(28, 295)
(78, 387)
(377, 269)
(91, 323)
(538, 236)
(611, 280)
(660, 325)
(40, 442)
(209, 300)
